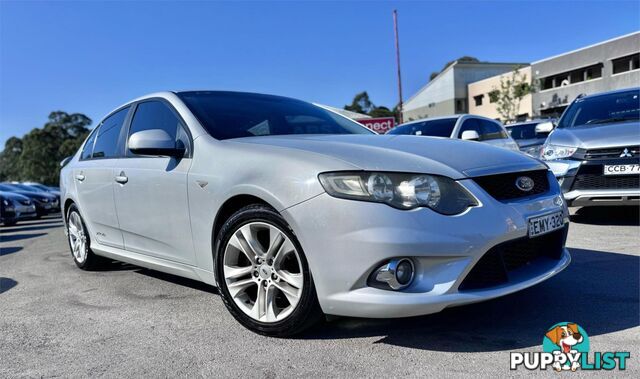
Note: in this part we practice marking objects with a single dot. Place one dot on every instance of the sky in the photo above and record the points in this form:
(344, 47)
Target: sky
(90, 57)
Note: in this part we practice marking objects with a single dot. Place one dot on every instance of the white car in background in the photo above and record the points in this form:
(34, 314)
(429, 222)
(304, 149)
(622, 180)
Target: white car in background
(462, 126)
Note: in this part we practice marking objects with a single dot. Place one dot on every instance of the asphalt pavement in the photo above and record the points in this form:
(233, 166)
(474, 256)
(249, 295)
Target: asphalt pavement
(126, 321)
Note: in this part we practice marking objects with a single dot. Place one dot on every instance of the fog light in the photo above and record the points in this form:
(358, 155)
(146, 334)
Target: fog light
(396, 274)
(404, 272)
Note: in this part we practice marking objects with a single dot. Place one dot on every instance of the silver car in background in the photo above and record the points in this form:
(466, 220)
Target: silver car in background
(595, 149)
(294, 211)
(462, 126)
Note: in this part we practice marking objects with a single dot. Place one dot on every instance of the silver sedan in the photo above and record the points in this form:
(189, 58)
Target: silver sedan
(295, 212)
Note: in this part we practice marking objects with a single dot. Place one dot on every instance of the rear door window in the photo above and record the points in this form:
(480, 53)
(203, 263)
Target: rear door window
(108, 137)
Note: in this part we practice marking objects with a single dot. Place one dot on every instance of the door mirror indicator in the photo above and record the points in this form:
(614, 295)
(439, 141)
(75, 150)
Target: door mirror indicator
(155, 142)
(470, 135)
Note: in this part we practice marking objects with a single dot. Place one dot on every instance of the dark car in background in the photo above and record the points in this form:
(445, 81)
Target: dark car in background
(7, 212)
(16, 207)
(530, 135)
(37, 187)
(45, 203)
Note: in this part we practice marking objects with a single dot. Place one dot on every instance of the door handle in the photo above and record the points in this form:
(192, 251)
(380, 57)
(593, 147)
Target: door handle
(79, 177)
(122, 178)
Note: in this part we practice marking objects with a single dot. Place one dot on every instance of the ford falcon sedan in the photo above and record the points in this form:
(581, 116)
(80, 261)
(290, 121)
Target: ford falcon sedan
(295, 212)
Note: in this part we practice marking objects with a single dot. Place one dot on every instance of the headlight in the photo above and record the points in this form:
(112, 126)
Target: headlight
(534, 151)
(403, 191)
(44, 200)
(5, 202)
(551, 152)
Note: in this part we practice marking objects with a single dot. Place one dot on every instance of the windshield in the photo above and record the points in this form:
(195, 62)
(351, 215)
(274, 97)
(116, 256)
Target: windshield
(434, 128)
(604, 109)
(234, 115)
(523, 131)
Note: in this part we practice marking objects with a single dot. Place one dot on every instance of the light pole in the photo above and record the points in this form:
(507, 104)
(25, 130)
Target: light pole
(395, 28)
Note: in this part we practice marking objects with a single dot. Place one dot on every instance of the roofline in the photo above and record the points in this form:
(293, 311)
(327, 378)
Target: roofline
(455, 63)
(586, 47)
(493, 77)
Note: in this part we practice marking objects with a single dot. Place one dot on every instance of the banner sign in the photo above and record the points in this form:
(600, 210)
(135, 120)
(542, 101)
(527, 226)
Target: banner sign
(380, 125)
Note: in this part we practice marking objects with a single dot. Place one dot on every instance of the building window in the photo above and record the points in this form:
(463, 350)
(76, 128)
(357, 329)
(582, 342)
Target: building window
(493, 96)
(570, 77)
(460, 106)
(478, 100)
(628, 63)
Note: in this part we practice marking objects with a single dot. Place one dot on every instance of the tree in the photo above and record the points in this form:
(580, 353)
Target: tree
(9, 158)
(35, 156)
(510, 93)
(360, 104)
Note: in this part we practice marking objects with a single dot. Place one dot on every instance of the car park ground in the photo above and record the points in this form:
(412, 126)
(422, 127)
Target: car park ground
(56, 320)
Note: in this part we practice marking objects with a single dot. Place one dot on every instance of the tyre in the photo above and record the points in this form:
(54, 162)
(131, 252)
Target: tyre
(79, 242)
(262, 274)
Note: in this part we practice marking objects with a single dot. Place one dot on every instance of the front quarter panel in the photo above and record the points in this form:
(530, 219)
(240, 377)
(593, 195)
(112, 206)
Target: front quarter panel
(222, 170)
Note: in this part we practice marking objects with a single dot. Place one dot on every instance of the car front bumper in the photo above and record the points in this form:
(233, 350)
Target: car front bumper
(346, 240)
(584, 184)
(25, 211)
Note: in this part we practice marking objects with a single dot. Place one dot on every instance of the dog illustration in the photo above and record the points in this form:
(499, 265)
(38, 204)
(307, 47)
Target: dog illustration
(566, 337)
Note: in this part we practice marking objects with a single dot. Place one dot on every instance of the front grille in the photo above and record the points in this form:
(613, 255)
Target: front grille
(597, 182)
(609, 153)
(591, 177)
(503, 186)
(496, 264)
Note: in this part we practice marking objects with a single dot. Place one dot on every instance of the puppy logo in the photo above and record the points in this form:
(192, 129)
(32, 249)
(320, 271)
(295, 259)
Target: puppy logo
(568, 339)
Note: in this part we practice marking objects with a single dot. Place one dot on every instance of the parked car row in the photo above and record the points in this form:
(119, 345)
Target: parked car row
(593, 150)
(21, 201)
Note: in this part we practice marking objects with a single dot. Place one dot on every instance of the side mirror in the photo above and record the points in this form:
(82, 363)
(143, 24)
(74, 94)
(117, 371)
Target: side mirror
(470, 135)
(544, 127)
(65, 161)
(155, 142)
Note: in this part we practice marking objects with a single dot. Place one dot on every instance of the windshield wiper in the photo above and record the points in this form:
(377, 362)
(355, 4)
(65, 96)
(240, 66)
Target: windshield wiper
(609, 120)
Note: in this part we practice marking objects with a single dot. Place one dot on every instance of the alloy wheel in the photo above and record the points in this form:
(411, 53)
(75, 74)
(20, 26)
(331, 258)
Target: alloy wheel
(263, 272)
(77, 237)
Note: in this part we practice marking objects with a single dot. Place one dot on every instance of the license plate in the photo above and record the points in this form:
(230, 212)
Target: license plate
(622, 169)
(545, 224)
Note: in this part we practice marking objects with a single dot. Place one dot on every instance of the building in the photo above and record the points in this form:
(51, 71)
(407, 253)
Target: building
(480, 100)
(447, 94)
(605, 66)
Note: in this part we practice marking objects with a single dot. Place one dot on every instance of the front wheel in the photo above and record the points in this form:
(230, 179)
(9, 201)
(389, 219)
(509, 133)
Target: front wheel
(263, 274)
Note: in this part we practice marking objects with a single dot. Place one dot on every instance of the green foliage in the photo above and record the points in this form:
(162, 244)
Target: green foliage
(36, 156)
(508, 97)
(362, 104)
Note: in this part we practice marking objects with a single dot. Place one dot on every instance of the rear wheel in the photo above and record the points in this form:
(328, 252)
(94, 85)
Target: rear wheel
(263, 274)
(79, 241)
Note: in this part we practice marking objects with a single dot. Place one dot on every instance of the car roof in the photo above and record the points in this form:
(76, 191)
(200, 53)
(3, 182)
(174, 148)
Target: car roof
(536, 121)
(637, 89)
(455, 116)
